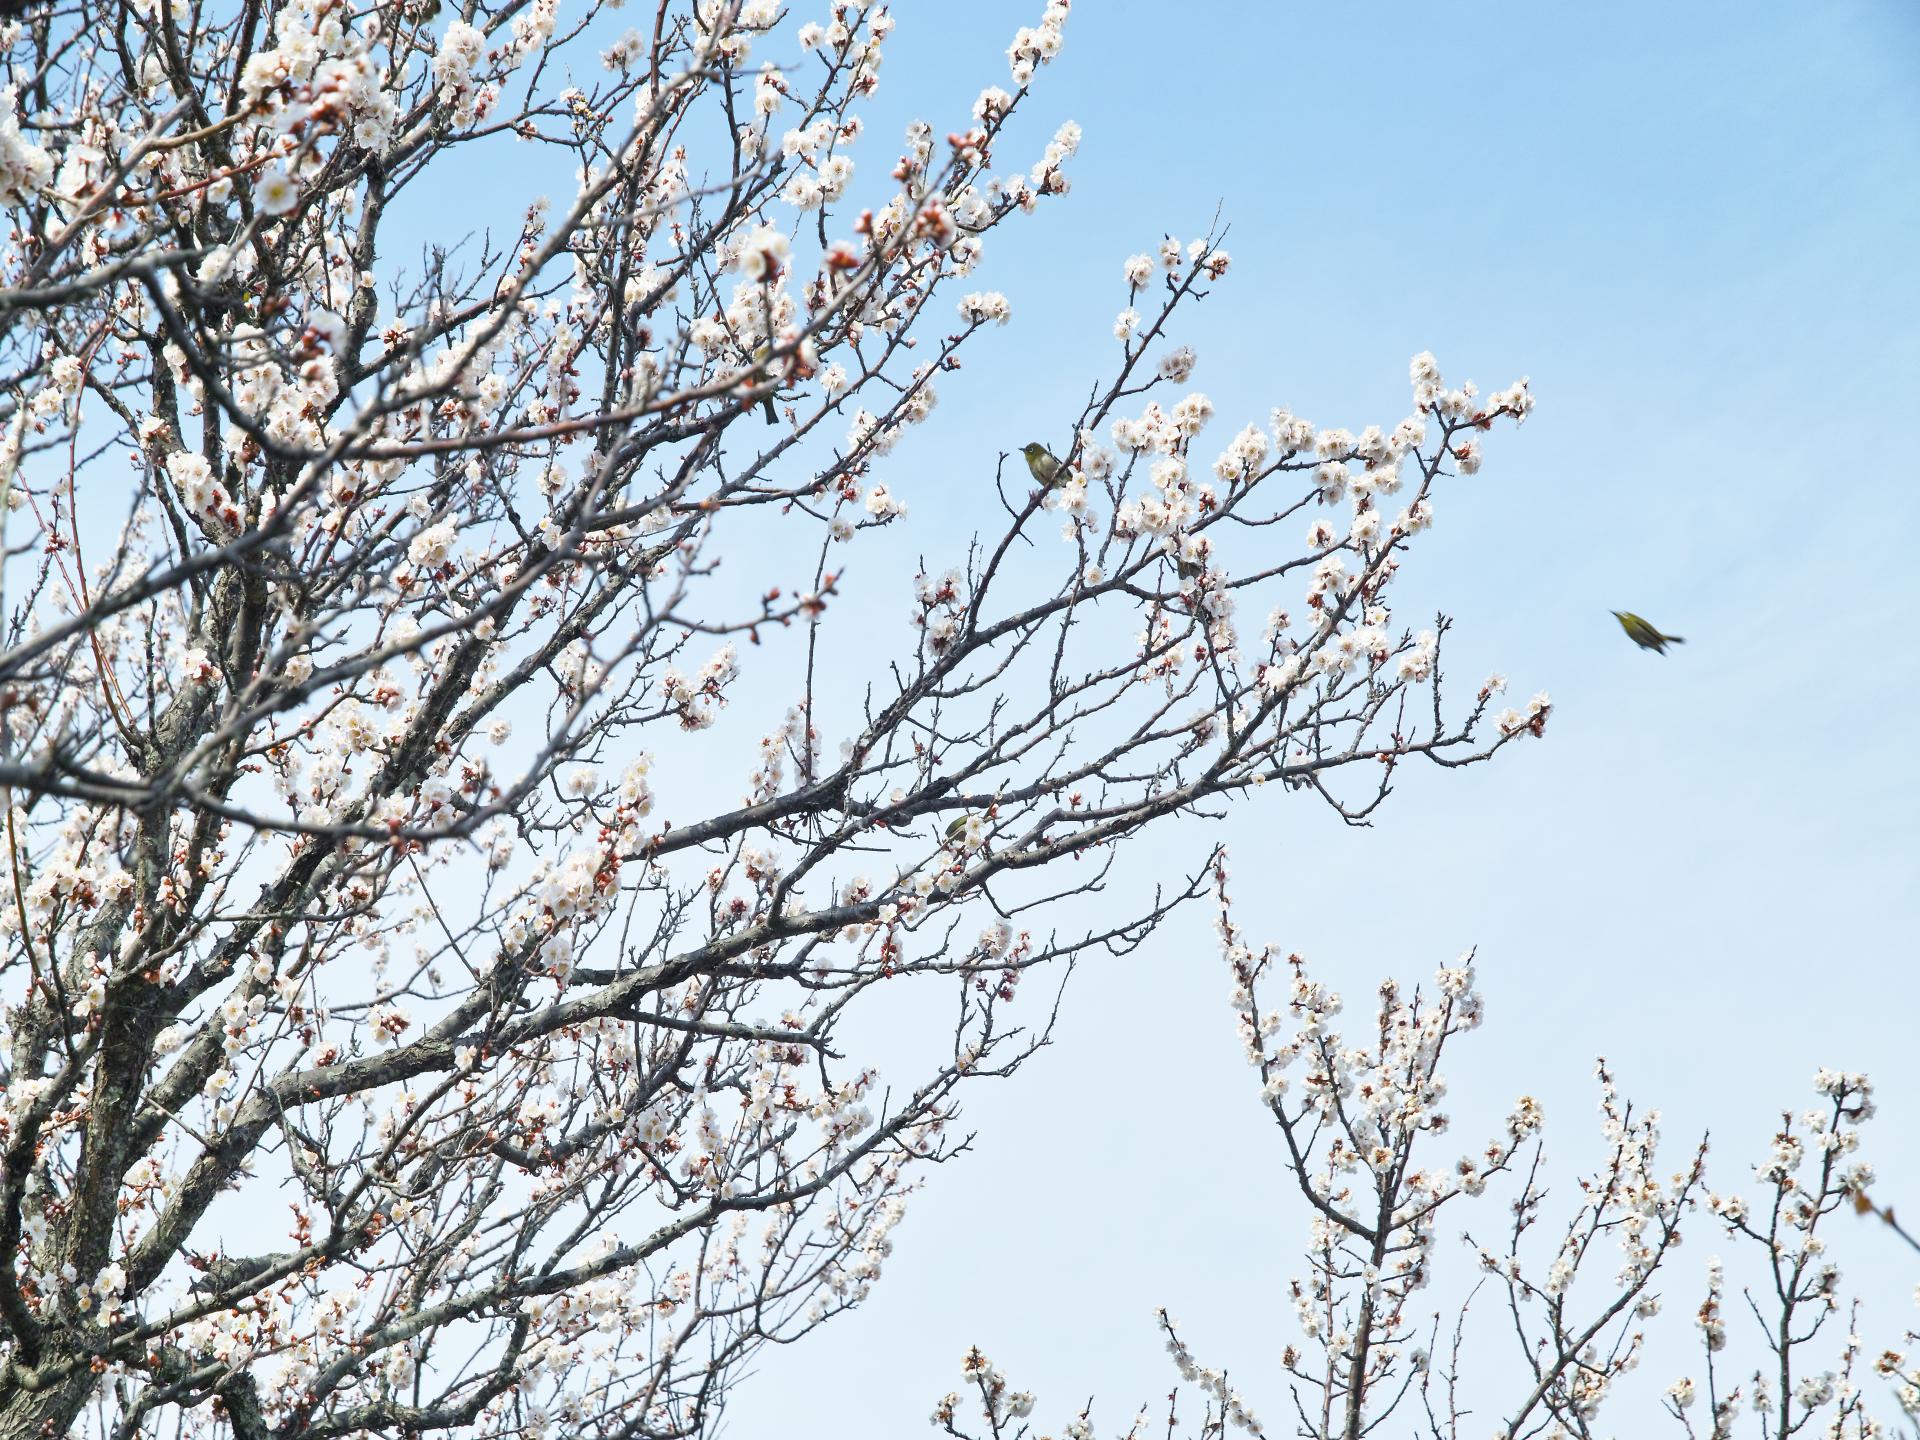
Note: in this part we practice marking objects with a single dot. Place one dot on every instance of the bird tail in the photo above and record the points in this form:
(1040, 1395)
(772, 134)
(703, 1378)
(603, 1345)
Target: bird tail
(1676, 639)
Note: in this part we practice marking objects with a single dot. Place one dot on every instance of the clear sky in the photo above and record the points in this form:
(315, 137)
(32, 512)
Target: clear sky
(1695, 228)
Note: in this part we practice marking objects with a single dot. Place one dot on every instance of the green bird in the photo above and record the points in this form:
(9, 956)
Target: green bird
(761, 356)
(1044, 465)
(1646, 636)
(957, 827)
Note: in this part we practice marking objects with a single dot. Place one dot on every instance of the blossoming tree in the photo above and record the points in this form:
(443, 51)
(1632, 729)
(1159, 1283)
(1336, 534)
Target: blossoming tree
(400, 1036)
(1568, 1297)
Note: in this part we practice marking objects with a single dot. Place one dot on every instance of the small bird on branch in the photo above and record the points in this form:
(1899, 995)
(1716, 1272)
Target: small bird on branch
(1042, 464)
(225, 1272)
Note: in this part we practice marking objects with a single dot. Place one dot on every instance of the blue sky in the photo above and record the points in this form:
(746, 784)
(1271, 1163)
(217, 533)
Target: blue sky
(1694, 228)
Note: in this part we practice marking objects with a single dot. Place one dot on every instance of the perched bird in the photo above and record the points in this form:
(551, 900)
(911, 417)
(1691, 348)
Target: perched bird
(957, 827)
(1643, 634)
(1044, 465)
(762, 353)
(223, 1272)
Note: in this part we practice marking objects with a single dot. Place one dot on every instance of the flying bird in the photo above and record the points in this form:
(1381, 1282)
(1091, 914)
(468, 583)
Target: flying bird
(1646, 636)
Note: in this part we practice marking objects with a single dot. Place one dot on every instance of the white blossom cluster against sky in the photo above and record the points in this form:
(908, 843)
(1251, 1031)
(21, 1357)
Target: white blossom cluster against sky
(1693, 228)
